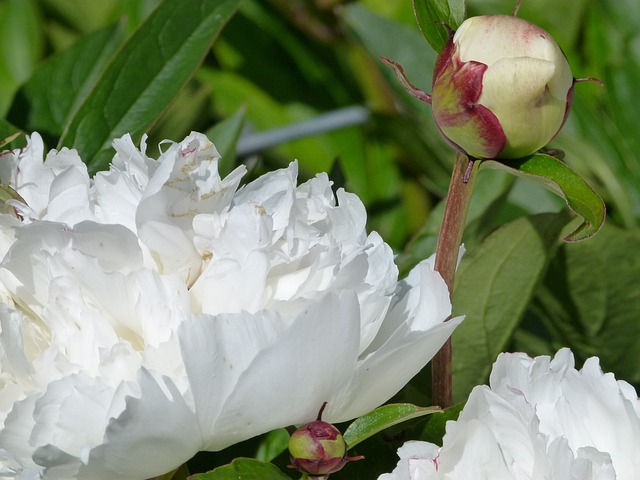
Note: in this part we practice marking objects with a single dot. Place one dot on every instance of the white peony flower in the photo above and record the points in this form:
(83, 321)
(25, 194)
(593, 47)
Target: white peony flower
(539, 419)
(157, 310)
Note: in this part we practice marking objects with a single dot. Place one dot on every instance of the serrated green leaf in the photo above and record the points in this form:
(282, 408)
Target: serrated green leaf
(46, 102)
(559, 178)
(145, 75)
(434, 16)
(243, 469)
(382, 418)
(494, 284)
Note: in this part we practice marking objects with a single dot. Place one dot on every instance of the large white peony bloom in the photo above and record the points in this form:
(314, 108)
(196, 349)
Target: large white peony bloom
(157, 310)
(540, 419)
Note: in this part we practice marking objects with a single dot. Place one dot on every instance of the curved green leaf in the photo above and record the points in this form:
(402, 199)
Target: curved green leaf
(432, 14)
(244, 469)
(557, 177)
(382, 418)
(145, 76)
(46, 102)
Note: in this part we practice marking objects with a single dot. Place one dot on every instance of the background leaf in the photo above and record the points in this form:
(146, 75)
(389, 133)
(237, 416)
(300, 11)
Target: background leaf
(431, 14)
(225, 136)
(436, 425)
(589, 300)
(273, 444)
(7, 133)
(244, 469)
(494, 284)
(47, 101)
(145, 75)
(20, 46)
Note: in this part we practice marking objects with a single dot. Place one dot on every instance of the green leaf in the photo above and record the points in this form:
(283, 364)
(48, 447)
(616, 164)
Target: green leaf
(589, 300)
(55, 91)
(557, 177)
(181, 473)
(494, 284)
(488, 196)
(10, 136)
(224, 136)
(273, 444)
(432, 14)
(382, 418)
(145, 75)
(435, 428)
(264, 112)
(243, 469)
(20, 46)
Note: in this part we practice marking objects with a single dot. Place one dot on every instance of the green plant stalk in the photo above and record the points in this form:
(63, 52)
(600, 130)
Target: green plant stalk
(455, 214)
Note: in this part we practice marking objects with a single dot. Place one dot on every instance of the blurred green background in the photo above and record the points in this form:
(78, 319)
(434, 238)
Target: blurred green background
(285, 63)
(288, 61)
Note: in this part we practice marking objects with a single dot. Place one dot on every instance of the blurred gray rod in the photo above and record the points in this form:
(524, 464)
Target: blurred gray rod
(252, 143)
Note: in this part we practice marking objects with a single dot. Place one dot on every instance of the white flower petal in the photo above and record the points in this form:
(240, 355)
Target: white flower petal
(293, 367)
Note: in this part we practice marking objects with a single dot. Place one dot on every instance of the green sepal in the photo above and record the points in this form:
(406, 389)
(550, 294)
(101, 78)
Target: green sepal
(9, 139)
(8, 193)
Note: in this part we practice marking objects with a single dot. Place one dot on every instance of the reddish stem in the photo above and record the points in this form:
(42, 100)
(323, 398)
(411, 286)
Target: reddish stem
(463, 179)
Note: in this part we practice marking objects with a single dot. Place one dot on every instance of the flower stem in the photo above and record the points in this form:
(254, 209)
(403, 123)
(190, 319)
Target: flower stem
(455, 214)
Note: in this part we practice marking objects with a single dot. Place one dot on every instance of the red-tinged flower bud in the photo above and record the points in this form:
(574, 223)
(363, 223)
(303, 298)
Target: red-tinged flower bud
(501, 88)
(317, 449)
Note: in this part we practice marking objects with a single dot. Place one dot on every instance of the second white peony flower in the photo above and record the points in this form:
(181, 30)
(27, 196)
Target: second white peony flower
(540, 419)
(157, 310)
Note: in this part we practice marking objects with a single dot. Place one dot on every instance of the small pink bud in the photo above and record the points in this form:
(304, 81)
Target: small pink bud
(318, 449)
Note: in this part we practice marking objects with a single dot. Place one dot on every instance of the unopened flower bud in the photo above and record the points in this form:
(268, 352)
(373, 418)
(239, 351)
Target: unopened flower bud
(501, 87)
(318, 449)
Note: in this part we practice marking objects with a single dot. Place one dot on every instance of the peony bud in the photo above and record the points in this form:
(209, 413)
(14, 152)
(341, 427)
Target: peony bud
(501, 88)
(317, 449)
